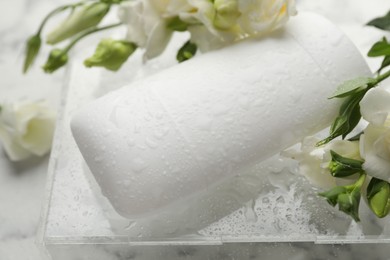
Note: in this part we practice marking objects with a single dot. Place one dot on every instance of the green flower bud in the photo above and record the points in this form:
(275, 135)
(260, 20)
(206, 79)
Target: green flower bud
(57, 59)
(341, 166)
(88, 16)
(332, 195)
(111, 1)
(186, 52)
(32, 48)
(226, 14)
(378, 196)
(347, 197)
(111, 54)
(175, 24)
(349, 204)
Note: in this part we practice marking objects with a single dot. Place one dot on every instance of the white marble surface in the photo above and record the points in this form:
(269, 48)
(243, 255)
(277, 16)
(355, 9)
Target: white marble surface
(22, 184)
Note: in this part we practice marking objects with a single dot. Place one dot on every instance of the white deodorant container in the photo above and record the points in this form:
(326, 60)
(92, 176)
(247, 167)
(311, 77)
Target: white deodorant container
(175, 134)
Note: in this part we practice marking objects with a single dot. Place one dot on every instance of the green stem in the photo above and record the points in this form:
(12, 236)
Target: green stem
(56, 11)
(358, 184)
(382, 77)
(361, 179)
(93, 30)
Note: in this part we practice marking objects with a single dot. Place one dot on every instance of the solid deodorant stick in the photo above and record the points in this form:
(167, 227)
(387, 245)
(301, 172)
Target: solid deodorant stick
(175, 134)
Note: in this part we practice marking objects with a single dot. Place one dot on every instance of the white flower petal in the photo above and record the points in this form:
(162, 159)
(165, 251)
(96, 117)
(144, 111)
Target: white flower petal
(375, 106)
(382, 146)
(175, 7)
(36, 138)
(158, 40)
(377, 167)
(130, 13)
(310, 159)
(362, 147)
(204, 39)
(261, 17)
(371, 134)
(345, 148)
(313, 161)
(12, 148)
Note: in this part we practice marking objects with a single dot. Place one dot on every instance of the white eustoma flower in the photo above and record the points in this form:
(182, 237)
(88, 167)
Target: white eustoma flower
(146, 22)
(26, 129)
(263, 16)
(224, 21)
(202, 30)
(313, 161)
(375, 142)
(212, 24)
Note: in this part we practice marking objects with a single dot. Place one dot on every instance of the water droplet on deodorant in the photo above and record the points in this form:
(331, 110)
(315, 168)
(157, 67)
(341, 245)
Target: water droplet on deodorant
(151, 143)
(130, 142)
(113, 117)
(204, 122)
(160, 132)
(98, 158)
(244, 102)
(127, 183)
(220, 109)
(158, 115)
(138, 165)
(337, 39)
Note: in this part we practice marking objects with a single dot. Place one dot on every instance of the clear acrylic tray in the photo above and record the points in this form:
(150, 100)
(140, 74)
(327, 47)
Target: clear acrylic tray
(268, 212)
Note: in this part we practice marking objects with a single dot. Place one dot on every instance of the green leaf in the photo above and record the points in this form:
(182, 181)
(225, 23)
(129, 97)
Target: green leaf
(385, 63)
(349, 116)
(341, 166)
(354, 117)
(378, 196)
(186, 52)
(176, 24)
(381, 48)
(350, 87)
(382, 23)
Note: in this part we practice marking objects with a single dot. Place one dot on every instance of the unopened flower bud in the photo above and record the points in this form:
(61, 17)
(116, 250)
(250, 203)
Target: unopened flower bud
(111, 1)
(332, 195)
(349, 204)
(88, 16)
(32, 48)
(111, 54)
(186, 52)
(341, 166)
(226, 14)
(57, 59)
(378, 196)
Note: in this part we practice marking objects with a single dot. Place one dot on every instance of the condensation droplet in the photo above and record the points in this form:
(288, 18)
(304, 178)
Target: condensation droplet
(138, 165)
(151, 143)
(98, 158)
